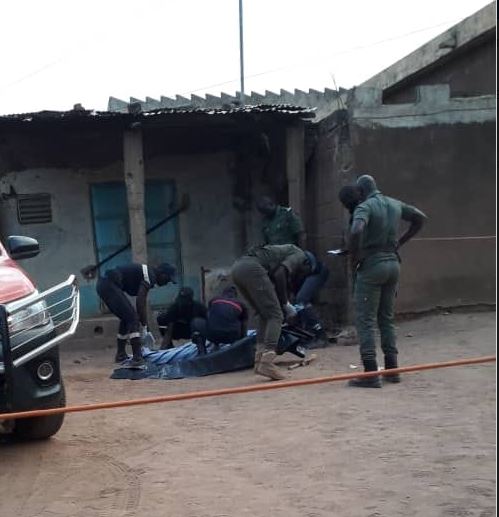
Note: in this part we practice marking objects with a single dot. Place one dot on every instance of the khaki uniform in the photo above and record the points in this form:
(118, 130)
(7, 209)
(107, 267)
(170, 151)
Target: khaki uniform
(252, 275)
(284, 227)
(377, 277)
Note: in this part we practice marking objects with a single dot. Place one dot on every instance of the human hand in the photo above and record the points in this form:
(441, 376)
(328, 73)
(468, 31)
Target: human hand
(289, 312)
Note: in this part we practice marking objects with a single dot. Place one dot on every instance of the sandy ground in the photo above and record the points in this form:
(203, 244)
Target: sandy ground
(425, 447)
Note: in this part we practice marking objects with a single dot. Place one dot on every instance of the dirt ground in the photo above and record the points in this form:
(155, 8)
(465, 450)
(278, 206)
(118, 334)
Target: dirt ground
(425, 447)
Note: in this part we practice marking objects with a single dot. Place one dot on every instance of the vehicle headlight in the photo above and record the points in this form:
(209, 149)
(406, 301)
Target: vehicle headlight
(35, 315)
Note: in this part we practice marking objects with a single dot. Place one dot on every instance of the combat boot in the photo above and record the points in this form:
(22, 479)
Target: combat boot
(391, 363)
(137, 360)
(370, 365)
(266, 367)
(258, 357)
(121, 354)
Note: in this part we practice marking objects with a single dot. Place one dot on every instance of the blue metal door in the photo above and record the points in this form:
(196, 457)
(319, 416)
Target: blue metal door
(112, 229)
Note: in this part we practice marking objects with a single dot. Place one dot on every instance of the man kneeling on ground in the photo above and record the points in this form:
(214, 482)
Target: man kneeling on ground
(227, 319)
(176, 322)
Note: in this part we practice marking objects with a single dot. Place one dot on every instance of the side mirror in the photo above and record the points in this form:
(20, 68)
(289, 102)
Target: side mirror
(22, 247)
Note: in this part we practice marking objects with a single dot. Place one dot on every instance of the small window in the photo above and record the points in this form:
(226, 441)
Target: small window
(34, 209)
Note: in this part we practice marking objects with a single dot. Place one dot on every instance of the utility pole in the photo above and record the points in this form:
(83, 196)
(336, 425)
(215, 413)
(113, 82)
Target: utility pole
(241, 52)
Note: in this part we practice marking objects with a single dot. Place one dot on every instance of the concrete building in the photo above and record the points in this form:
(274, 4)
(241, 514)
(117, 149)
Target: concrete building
(426, 129)
(62, 182)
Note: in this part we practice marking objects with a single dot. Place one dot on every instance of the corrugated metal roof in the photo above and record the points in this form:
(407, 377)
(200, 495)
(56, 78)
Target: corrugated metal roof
(81, 114)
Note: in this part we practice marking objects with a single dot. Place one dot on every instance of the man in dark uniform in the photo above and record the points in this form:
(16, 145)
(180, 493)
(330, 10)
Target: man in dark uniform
(176, 322)
(305, 292)
(133, 280)
(281, 225)
(373, 249)
(262, 277)
(227, 319)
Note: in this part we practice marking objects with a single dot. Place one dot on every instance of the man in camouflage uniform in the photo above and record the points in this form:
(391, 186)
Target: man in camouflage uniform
(262, 277)
(373, 248)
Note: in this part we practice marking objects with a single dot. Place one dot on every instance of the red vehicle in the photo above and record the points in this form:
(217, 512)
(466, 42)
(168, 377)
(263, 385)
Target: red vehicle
(32, 325)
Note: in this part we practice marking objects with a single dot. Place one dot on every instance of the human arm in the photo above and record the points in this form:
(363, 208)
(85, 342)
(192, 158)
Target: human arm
(356, 230)
(141, 303)
(167, 340)
(296, 227)
(416, 220)
(280, 278)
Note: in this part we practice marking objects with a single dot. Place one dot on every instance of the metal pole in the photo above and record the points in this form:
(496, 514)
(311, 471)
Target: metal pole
(241, 52)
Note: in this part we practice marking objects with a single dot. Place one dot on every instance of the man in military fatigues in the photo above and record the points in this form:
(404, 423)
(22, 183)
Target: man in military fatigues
(281, 225)
(373, 248)
(262, 277)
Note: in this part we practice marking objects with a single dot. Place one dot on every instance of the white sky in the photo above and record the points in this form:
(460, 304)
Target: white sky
(56, 53)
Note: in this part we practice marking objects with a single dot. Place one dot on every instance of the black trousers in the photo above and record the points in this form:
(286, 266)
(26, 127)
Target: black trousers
(118, 303)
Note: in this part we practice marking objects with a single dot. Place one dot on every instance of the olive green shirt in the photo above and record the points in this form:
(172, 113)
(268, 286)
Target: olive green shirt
(382, 216)
(283, 228)
(287, 255)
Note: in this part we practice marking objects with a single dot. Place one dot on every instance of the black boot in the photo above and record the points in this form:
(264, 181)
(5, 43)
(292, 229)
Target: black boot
(137, 360)
(121, 354)
(370, 365)
(391, 363)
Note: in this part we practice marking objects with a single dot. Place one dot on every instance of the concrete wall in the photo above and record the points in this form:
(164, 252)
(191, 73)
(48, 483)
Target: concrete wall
(207, 229)
(66, 243)
(434, 54)
(329, 168)
(439, 155)
(470, 72)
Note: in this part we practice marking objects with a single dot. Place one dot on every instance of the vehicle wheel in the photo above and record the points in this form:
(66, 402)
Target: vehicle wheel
(43, 427)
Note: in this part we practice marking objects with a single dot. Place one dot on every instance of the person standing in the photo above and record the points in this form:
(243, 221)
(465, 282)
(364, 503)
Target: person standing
(281, 224)
(132, 280)
(373, 249)
(262, 277)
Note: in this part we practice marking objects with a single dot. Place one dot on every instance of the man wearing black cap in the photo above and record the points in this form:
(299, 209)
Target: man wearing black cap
(133, 280)
(176, 322)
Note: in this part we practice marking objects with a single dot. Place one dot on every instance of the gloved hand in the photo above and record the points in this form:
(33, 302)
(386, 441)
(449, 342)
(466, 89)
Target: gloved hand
(148, 340)
(143, 331)
(289, 312)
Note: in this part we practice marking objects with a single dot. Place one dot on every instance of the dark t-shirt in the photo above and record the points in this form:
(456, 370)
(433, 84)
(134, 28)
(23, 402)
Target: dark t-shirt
(130, 277)
(226, 314)
(185, 312)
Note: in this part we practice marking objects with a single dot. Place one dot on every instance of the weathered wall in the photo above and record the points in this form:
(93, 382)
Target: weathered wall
(207, 233)
(439, 155)
(328, 169)
(469, 73)
(66, 243)
(223, 171)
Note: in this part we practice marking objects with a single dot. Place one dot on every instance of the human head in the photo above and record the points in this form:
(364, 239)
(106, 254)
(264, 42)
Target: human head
(350, 197)
(266, 206)
(165, 273)
(185, 296)
(367, 185)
